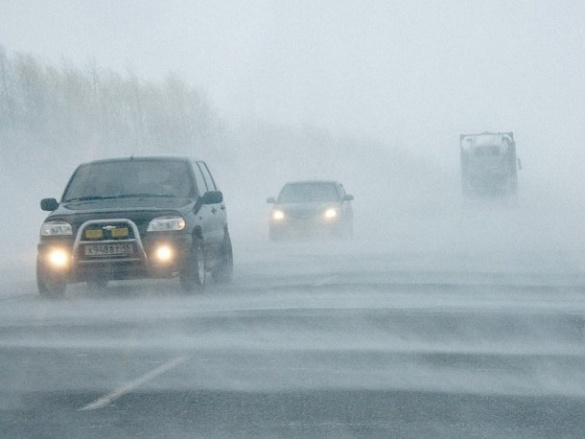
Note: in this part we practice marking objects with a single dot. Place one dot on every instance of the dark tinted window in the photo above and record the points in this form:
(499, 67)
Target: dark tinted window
(130, 178)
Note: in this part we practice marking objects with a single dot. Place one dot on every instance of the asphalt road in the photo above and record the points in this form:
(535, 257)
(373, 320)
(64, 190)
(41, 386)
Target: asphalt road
(308, 341)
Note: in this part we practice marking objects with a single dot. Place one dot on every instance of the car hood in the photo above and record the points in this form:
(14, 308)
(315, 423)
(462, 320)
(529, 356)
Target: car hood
(141, 212)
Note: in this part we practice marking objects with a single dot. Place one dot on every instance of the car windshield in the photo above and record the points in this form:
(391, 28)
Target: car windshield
(129, 178)
(486, 151)
(308, 192)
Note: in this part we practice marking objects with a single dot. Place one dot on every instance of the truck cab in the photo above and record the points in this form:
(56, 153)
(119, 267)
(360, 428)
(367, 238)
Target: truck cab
(489, 165)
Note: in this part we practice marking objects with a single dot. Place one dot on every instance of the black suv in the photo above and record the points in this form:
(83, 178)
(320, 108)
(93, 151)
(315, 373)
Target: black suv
(131, 218)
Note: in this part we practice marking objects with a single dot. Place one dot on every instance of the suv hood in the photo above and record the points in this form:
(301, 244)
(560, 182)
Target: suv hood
(79, 212)
(126, 204)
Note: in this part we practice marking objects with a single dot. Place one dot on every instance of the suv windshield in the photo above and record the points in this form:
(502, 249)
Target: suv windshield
(130, 178)
(308, 192)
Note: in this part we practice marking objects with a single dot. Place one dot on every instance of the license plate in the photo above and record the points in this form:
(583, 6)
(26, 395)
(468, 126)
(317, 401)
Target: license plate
(109, 249)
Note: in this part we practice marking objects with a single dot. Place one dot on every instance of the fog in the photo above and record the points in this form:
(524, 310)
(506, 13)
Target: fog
(372, 94)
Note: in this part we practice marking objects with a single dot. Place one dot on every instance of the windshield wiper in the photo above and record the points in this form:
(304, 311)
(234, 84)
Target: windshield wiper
(145, 196)
(115, 197)
(88, 198)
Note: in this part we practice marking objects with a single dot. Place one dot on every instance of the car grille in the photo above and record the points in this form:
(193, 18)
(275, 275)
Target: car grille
(302, 215)
(108, 240)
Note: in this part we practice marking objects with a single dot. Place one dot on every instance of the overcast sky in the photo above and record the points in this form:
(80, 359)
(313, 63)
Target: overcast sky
(411, 73)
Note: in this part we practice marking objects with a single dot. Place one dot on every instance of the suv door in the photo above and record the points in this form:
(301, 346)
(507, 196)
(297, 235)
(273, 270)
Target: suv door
(213, 216)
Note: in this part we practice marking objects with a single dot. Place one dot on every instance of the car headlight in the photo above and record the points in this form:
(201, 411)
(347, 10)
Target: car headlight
(331, 213)
(56, 228)
(166, 223)
(277, 215)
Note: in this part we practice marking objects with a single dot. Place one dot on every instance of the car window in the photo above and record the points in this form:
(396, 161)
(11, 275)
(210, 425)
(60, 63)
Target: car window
(209, 183)
(308, 192)
(199, 180)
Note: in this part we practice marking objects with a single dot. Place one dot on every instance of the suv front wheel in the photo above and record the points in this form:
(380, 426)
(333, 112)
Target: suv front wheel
(50, 285)
(193, 274)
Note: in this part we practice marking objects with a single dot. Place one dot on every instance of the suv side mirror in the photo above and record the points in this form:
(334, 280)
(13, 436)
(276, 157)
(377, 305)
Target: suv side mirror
(271, 200)
(348, 197)
(49, 204)
(212, 197)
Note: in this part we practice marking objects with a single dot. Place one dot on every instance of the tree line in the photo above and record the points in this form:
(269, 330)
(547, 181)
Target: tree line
(49, 109)
(53, 117)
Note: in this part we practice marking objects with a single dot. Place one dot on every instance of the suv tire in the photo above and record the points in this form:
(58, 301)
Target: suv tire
(193, 274)
(224, 269)
(49, 286)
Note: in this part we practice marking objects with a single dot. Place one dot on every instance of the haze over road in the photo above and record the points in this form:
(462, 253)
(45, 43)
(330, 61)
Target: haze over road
(311, 340)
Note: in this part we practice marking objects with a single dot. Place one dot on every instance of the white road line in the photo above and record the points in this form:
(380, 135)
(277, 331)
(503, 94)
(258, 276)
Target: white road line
(117, 393)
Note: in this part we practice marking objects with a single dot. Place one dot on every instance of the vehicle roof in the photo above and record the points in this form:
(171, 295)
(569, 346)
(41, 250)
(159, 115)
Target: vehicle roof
(313, 182)
(165, 158)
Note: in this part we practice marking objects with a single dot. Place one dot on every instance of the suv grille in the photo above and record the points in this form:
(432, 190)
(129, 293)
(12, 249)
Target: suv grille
(108, 240)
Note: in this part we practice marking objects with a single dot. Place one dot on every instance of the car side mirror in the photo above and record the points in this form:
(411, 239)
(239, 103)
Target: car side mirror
(49, 204)
(271, 200)
(348, 197)
(212, 197)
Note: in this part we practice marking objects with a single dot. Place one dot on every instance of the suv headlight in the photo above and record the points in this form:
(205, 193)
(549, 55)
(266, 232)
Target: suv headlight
(56, 228)
(166, 223)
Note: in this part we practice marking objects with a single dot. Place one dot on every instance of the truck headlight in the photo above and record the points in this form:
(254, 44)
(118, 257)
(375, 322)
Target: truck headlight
(166, 223)
(56, 228)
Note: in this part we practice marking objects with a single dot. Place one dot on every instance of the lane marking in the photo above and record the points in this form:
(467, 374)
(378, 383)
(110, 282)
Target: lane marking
(120, 391)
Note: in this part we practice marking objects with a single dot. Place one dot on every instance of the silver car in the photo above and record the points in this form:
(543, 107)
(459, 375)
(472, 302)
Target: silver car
(311, 209)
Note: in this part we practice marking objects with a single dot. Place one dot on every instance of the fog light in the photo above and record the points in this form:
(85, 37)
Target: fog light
(58, 258)
(164, 253)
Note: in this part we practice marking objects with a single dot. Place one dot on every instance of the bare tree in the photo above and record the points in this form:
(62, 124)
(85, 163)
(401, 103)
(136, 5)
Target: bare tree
(6, 99)
(30, 84)
(95, 112)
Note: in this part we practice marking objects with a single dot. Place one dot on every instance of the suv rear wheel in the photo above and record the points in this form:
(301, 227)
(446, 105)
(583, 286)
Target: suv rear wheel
(222, 273)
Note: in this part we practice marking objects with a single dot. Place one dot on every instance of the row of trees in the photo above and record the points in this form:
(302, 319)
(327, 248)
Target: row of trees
(54, 117)
(65, 108)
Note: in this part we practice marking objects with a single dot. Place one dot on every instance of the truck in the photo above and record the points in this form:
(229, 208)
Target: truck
(489, 165)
